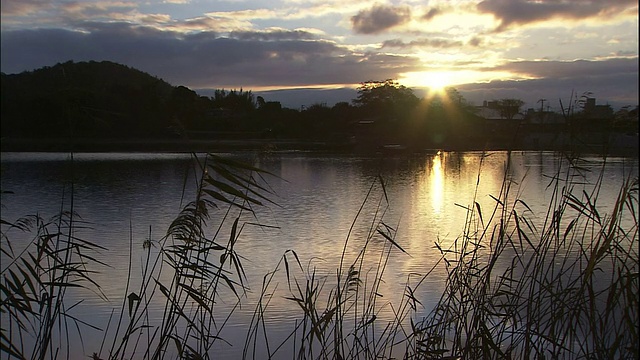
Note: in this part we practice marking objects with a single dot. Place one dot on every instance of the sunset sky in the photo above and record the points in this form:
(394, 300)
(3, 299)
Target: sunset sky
(486, 49)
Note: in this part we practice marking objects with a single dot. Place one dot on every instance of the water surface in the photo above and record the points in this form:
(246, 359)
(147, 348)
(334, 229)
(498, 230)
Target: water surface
(128, 198)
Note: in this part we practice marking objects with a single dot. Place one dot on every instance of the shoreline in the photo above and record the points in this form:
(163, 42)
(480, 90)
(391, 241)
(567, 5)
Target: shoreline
(272, 145)
(155, 145)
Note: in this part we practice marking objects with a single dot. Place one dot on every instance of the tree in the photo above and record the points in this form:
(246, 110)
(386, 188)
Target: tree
(509, 107)
(260, 102)
(387, 98)
(237, 101)
(454, 96)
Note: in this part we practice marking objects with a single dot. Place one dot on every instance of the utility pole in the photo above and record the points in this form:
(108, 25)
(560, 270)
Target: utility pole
(542, 104)
(541, 101)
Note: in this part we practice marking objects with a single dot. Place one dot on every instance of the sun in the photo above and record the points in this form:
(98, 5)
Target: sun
(435, 81)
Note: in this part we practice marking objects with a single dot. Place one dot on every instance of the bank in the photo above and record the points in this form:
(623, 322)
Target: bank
(618, 145)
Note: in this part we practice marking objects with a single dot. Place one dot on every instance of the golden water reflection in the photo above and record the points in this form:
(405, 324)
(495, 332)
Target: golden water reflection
(319, 200)
(437, 183)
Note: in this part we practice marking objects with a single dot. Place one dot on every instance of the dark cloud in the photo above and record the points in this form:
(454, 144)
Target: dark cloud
(379, 18)
(613, 81)
(573, 69)
(433, 12)
(475, 41)
(294, 59)
(433, 43)
(511, 12)
(277, 35)
(202, 59)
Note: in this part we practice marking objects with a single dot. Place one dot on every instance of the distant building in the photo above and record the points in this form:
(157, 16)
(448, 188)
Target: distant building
(593, 111)
(499, 130)
(491, 111)
(544, 117)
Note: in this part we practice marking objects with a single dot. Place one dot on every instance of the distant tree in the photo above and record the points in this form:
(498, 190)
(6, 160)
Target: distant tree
(341, 107)
(454, 96)
(390, 105)
(272, 106)
(444, 119)
(260, 102)
(343, 113)
(626, 119)
(342, 117)
(387, 98)
(509, 107)
(269, 121)
(238, 101)
(317, 120)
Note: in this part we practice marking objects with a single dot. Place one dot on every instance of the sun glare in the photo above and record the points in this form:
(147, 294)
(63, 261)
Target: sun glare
(437, 81)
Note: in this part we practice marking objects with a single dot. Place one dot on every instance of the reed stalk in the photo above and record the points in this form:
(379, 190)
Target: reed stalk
(562, 284)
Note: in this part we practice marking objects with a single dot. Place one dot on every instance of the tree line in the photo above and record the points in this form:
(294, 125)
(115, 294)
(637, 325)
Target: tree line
(109, 100)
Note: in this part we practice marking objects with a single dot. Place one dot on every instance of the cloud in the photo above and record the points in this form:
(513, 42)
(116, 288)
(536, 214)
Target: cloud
(625, 92)
(209, 23)
(573, 69)
(512, 12)
(23, 7)
(245, 14)
(272, 35)
(48, 10)
(614, 81)
(475, 41)
(204, 59)
(96, 8)
(379, 18)
(33, 14)
(433, 12)
(420, 43)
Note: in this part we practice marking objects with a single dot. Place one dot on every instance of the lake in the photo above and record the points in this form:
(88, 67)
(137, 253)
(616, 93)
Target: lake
(319, 201)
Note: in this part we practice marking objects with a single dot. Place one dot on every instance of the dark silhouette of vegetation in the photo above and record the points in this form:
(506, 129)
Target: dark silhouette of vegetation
(447, 121)
(91, 99)
(112, 102)
(509, 107)
(385, 98)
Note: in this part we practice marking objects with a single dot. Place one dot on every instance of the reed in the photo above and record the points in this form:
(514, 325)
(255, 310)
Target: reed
(186, 269)
(568, 289)
(337, 313)
(35, 279)
(564, 289)
(200, 265)
(562, 284)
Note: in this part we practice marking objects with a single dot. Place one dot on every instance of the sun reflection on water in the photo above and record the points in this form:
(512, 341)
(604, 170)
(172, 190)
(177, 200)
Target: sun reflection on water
(319, 198)
(437, 183)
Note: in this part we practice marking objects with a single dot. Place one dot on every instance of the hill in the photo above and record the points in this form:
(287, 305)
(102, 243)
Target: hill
(87, 99)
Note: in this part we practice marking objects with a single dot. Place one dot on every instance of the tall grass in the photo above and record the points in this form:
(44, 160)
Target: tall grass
(186, 269)
(569, 290)
(563, 284)
(520, 285)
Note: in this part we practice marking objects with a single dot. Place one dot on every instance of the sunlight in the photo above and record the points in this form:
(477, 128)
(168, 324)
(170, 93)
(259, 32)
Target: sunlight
(437, 183)
(436, 81)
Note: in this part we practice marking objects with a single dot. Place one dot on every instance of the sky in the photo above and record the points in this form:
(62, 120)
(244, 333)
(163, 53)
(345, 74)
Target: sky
(304, 52)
